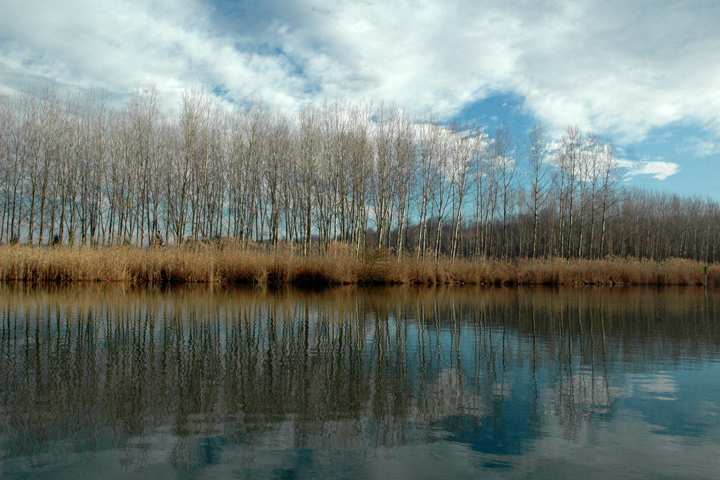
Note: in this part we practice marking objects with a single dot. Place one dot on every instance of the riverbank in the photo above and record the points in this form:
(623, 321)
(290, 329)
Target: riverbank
(231, 266)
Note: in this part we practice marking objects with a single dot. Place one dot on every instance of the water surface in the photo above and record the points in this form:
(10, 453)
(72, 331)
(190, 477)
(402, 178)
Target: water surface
(389, 383)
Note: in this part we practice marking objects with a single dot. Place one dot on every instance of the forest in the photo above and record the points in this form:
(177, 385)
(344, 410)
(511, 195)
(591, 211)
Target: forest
(81, 171)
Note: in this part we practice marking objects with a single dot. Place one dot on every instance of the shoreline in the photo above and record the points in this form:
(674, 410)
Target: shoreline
(234, 266)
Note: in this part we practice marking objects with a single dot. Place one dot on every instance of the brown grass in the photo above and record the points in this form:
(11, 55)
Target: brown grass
(232, 265)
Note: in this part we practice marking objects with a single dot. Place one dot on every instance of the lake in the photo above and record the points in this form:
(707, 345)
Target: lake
(107, 382)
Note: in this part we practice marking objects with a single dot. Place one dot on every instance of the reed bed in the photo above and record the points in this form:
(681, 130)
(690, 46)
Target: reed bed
(231, 266)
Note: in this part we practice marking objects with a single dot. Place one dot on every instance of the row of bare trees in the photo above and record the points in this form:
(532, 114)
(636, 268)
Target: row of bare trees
(74, 171)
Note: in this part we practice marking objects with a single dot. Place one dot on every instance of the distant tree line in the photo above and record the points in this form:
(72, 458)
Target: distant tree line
(74, 171)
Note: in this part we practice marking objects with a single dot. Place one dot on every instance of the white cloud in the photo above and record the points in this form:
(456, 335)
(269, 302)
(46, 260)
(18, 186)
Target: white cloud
(706, 148)
(657, 169)
(609, 67)
(120, 46)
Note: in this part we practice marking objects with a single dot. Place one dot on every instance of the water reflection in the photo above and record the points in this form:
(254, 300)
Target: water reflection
(359, 383)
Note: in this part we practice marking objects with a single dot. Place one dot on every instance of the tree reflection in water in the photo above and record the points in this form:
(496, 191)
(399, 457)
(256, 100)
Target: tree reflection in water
(186, 373)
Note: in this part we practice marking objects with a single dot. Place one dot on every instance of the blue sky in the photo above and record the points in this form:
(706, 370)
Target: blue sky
(680, 157)
(644, 75)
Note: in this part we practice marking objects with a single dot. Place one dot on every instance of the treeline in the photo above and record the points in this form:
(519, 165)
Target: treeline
(74, 171)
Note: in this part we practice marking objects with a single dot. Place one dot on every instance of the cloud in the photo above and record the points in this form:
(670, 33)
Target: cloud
(657, 169)
(606, 66)
(705, 148)
(609, 67)
(121, 46)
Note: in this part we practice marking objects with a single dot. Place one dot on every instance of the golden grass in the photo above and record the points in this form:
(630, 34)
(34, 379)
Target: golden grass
(232, 265)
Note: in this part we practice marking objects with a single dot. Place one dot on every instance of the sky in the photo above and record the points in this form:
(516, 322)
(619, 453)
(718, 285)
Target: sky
(643, 75)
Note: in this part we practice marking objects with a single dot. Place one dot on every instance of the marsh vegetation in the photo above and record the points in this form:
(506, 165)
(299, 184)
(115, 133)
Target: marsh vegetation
(235, 265)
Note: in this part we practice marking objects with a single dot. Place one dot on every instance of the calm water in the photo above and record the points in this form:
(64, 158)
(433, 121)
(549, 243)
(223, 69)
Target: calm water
(394, 383)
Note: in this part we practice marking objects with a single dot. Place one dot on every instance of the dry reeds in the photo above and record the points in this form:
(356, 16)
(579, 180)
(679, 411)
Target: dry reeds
(233, 265)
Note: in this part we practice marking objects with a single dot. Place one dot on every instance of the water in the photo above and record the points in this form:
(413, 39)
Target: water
(390, 383)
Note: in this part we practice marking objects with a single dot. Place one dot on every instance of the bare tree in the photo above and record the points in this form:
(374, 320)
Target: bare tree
(73, 170)
(538, 179)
